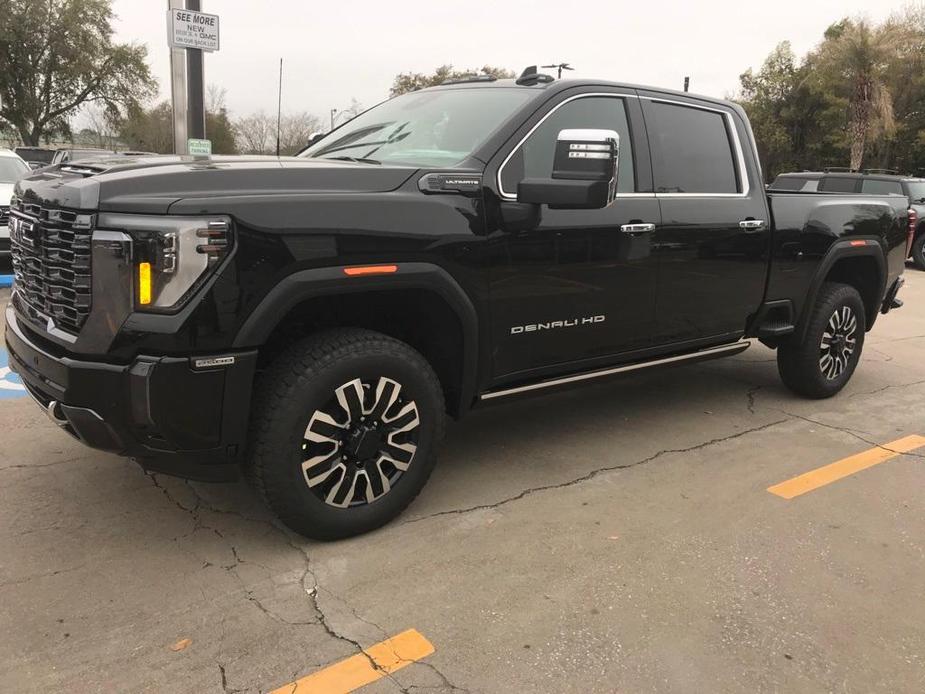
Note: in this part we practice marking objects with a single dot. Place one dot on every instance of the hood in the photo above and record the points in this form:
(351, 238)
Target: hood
(151, 184)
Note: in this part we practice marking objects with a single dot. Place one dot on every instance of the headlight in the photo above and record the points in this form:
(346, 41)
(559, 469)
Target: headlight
(172, 256)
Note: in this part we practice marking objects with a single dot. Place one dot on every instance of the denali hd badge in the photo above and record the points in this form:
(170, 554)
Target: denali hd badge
(556, 324)
(213, 362)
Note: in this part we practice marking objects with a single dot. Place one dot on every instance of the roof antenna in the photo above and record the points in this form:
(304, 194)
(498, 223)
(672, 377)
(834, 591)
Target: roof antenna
(560, 67)
(279, 107)
(530, 77)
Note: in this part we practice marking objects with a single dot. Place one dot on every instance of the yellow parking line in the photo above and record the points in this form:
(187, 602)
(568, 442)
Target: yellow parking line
(357, 671)
(820, 477)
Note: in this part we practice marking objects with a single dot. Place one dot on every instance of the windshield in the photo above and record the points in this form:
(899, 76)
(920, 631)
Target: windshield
(11, 170)
(916, 191)
(439, 128)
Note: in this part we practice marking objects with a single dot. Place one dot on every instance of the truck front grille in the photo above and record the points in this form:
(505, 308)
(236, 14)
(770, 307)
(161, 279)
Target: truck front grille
(51, 254)
(4, 215)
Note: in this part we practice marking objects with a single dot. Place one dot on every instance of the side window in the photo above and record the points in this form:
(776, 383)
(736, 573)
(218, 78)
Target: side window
(692, 151)
(838, 184)
(874, 187)
(534, 158)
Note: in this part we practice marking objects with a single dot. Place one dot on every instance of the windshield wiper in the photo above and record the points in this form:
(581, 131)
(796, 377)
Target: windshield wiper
(360, 160)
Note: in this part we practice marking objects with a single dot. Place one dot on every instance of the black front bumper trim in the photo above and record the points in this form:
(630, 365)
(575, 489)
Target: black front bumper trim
(162, 411)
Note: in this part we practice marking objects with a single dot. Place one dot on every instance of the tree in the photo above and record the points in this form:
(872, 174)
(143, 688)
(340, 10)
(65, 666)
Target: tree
(296, 130)
(100, 131)
(856, 58)
(256, 134)
(57, 55)
(148, 130)
(410, 81)
(219, 128)
(798, 124)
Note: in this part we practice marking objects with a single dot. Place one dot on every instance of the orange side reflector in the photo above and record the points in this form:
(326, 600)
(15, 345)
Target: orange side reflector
(859, 243)
(370, 270)
(144, 284)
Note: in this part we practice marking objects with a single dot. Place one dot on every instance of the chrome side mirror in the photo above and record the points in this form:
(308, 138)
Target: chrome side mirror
(584, 175)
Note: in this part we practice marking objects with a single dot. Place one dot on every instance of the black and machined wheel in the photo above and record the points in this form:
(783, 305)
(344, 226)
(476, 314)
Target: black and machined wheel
(823, 363)
(344, 432)
(918, 251)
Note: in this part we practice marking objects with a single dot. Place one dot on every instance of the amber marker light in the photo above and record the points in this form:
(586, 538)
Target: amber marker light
(144, 283)
(370, 270)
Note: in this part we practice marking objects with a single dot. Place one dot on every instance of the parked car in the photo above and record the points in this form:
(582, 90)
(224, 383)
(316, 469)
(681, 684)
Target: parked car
(312, 320)
(12, 168)
(874, 181)
(36, 157)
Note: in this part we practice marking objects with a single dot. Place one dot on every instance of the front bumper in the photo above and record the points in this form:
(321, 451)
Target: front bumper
(164, 411)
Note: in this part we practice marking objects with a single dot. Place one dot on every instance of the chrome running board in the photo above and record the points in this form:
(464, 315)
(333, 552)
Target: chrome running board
(701, 355)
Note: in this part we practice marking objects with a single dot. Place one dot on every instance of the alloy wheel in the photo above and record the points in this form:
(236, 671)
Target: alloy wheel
(838, 343)
(358, 446)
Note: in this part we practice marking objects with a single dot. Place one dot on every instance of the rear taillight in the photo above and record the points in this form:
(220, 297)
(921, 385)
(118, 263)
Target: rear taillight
(913, 223)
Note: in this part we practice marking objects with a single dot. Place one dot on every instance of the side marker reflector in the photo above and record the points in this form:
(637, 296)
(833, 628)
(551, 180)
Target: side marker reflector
(144, 284)
(370, 270)
(859, 243)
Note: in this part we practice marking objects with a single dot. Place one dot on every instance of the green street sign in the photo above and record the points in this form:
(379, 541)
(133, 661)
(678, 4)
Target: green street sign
(199, 148)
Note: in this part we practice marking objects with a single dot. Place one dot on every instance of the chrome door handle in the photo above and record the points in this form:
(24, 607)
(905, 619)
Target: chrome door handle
(751, 224)
(637, 228)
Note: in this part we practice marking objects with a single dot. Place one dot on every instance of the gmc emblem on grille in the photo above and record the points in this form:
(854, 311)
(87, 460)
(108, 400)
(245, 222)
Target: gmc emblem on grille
(21, 230)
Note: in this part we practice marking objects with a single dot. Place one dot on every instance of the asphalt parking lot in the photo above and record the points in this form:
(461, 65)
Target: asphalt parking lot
(616, 538)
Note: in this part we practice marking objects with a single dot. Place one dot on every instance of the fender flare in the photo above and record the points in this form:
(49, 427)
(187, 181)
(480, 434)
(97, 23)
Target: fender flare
(328, 281)
(839, 251)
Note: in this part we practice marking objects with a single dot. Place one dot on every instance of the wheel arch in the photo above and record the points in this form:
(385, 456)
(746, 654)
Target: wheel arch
(419, 303)
(863, 267)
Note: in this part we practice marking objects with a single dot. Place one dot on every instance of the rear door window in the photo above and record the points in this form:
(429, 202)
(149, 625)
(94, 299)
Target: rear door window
(875, 187)
(839, 184)
(692, 151)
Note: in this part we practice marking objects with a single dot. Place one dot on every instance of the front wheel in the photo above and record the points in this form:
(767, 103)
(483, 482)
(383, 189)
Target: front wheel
(823, 363)
(345, 431)
(918, 251)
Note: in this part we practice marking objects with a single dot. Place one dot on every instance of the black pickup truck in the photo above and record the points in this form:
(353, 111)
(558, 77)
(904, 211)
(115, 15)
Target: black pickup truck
(311, 321)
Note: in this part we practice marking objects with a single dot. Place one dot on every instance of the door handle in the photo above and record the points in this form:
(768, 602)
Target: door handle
(637, 228)
(751, 224)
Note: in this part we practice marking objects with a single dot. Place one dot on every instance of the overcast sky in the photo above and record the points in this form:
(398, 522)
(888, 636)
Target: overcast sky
(334, 51)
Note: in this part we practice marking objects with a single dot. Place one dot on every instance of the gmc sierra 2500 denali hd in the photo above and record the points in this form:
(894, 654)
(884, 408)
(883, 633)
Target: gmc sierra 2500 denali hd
(312, 320)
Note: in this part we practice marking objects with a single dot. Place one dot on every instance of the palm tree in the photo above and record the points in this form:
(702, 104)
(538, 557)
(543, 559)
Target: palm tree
(857, 57)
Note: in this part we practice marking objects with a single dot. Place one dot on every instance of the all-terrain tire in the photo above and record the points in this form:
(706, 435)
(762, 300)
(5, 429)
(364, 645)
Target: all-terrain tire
(319, 380)
(823, 363)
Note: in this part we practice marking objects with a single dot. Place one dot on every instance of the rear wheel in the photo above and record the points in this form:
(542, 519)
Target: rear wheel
(918, 251)
(345, 431)
(823, 363)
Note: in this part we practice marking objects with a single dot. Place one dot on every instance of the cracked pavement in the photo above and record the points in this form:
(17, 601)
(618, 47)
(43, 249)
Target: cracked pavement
(617, 537)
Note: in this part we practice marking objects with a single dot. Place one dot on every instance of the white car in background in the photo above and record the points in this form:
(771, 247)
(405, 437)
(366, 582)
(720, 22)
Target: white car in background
(12, 168)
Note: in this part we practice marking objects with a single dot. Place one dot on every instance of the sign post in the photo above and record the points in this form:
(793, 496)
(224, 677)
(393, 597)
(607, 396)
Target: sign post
(189, 33)
(178, 86)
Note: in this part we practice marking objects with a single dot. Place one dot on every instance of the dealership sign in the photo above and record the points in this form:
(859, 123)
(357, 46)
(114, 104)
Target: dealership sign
(188, 29)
